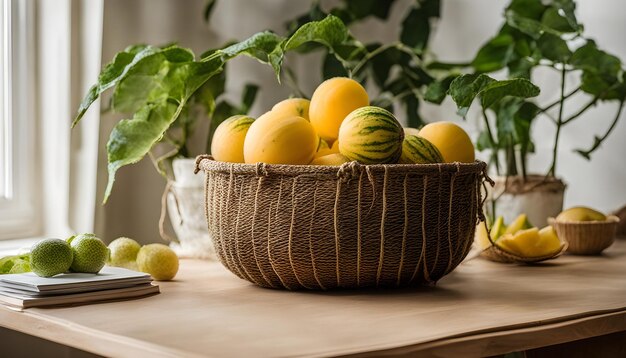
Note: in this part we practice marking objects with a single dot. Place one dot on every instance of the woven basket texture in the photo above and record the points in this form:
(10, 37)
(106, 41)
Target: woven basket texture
(354, 226)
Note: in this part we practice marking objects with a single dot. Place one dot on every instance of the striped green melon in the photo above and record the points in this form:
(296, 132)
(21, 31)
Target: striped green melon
(418, 150)
(371, 135)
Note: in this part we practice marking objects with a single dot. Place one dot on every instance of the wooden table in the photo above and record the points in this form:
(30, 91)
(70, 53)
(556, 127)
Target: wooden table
(482, 308)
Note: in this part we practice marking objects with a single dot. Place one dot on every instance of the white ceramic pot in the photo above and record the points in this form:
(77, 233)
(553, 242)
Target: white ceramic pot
(537, 196)
(185, 205)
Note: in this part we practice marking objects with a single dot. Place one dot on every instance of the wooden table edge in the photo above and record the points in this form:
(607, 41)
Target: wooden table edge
(83, 338)
(480, 343)
(490, 343)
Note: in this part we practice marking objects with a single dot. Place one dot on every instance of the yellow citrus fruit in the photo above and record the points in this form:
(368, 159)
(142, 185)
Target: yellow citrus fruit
(531, 242)
(520, 223)
(228, 139)
(580, 213)
(298, 107)
(280, 140)
(330, 159)
(451, 140)
(158, 260)
(332, 101)
(123, 253)
(410, 131)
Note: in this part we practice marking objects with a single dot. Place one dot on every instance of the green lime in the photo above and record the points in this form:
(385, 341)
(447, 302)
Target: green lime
(124, 253)
(90, 253)
(50, 257)
(159, 261)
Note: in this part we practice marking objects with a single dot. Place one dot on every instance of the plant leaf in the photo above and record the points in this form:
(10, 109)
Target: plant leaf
(361, 9)
(131, 139)
(495, 54)
(112, 73)
(465, 88)
(554, 48)
(332, 67)
(415, 31)
(208, 9)
(257, 46)
(249, 95)
(437, 90)
(412, 112)
(590, 58)
(144, 81)
(517, 87)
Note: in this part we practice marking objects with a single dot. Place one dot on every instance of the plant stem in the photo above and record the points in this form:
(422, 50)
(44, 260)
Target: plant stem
(369, 56)
(559, 123)
(492, 142)
(558, 101)
(599, 141)
(582, 110)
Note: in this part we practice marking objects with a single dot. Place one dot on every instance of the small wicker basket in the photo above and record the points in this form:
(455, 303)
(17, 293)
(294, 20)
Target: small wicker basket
(587, 237)
(323, 227)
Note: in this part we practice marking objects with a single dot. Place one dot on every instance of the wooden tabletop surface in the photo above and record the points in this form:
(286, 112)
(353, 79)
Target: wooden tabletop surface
(482, 308)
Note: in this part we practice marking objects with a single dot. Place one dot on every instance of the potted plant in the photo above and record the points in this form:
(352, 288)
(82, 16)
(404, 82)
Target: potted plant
(168, 91)
(535, 34)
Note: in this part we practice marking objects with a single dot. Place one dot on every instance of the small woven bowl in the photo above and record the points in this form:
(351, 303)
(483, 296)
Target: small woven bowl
(587, 237)
(495, 253)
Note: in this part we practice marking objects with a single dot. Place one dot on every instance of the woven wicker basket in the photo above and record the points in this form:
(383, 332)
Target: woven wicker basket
(322, 227)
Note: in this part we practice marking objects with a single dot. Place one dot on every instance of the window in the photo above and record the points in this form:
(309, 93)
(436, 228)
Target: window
(18, 205)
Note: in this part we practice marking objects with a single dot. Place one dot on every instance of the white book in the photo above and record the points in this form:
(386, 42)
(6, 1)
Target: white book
(26, 300)
(107, 278)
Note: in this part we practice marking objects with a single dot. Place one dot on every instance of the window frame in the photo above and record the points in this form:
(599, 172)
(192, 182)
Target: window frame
(20, 207)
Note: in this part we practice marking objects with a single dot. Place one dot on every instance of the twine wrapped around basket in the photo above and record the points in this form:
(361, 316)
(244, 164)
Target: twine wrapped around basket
(323, 227)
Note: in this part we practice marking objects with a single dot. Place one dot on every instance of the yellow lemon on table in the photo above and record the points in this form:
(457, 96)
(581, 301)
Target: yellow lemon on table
(158, 260)
(228, 139)
(280, 140)
(332, 101)
(451, 140)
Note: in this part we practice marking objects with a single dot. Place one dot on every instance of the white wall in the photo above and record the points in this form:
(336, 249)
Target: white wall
(134, 206)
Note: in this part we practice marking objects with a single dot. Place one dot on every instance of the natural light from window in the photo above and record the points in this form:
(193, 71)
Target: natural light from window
(5, 108)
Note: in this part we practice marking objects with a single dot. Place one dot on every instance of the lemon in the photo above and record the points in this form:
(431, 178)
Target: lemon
(158, 260)
(90, 253)
(123, 253)
(50, 257)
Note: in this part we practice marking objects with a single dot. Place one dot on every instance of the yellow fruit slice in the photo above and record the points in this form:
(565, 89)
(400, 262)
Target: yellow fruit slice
(549, 242)
(332, 101)
(531, 242)
(482, 237)
(498, 228)
(520, 223)
(451, 140)
(330, 159)
(276, 140)
(291, 107)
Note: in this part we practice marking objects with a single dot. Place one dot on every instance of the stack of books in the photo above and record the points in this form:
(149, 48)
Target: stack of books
(111, 283)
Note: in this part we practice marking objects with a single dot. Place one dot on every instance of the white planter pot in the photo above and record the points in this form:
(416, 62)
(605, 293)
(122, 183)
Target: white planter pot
(185, 205)
(538, 197)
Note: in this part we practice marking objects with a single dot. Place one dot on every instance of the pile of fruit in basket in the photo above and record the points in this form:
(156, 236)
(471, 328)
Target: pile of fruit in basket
(336, 126)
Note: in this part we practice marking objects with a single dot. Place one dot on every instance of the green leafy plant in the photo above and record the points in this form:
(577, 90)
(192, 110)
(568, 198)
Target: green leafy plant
(159, 86)
(535, 34)
(167, 90)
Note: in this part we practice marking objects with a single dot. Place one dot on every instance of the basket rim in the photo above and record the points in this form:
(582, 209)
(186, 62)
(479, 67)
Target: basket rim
(610, 220)
(206, 163)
